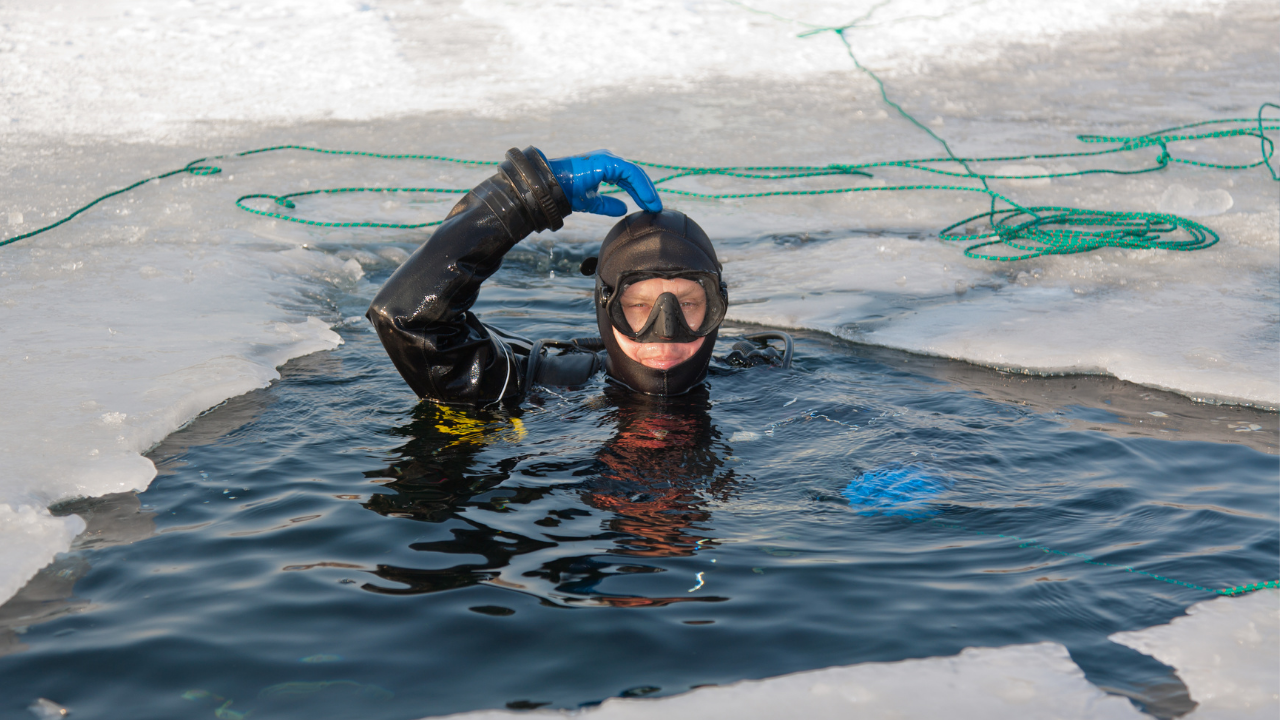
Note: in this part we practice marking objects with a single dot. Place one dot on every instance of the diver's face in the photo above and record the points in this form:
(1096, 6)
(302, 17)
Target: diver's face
(637, 302)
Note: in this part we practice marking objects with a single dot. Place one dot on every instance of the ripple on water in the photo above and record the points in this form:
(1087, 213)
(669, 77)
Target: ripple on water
(324, 546)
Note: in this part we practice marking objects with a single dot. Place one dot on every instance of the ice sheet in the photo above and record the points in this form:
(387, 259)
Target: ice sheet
(1201, 324)
(1021, 681)
(113, 343)
(156, 67)
(1227, 651)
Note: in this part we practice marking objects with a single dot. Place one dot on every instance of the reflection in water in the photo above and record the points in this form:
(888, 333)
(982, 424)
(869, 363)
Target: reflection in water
(599, 499)
(120, 518)
(115, 519)
(657, 473)
(653, 479)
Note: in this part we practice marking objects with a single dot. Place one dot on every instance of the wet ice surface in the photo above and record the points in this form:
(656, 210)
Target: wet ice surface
(127, 322)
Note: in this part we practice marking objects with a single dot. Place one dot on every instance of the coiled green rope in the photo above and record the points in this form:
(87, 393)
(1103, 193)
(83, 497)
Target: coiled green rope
(1033, 231)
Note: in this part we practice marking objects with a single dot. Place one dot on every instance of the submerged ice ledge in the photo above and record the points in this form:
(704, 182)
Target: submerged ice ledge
(1225, 650)
(110, 346)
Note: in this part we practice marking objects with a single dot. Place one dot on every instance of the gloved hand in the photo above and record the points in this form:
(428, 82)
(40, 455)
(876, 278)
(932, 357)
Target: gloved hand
(580, 177)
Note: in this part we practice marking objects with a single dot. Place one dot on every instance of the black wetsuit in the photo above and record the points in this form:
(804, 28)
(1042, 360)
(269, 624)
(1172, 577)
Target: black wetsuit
(423, 313)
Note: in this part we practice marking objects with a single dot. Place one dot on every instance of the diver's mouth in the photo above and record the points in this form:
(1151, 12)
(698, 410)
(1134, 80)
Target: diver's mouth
(659, 356)
(662, 364)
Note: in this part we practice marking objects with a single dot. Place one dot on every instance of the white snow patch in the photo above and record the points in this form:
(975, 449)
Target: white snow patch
(1025, 171)
(155, 67)
(1021, 682)
(1201, 324)
(1227, 651)
(29, 533)
(98, 367)
(1189, 202)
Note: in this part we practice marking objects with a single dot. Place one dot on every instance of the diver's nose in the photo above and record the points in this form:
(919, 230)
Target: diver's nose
(667, 326)
(667, 308)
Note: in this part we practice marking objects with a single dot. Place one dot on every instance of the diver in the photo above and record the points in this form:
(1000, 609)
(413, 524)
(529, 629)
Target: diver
(659, 296)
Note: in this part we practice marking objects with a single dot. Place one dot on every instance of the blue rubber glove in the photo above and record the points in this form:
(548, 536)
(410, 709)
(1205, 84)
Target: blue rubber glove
(580, 177)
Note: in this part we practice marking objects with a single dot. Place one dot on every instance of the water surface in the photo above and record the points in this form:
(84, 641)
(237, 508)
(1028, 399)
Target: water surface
(328, 547)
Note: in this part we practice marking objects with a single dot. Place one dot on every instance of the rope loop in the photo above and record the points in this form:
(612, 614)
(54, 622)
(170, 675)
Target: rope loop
(1268, 147)
(1038, 231)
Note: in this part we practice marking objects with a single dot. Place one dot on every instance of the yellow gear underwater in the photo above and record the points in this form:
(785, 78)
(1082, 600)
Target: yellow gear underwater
(466, 426)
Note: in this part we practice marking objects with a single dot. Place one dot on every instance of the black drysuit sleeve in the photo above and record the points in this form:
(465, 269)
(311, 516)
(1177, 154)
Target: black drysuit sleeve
(423, 314)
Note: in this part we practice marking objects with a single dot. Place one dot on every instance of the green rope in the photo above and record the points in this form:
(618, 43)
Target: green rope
(1052, 230)
(1089, 560)
(1244, 589)
(1031, 231)
(195, 167)
(191, 168)
(285, 201)
(1015, 233)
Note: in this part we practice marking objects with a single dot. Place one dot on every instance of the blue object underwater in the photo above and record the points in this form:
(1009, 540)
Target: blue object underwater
(896, 491)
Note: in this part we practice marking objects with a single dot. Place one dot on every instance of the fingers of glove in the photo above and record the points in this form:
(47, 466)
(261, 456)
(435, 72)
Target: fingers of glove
(605, 205)
(580, 177)
(634, 180)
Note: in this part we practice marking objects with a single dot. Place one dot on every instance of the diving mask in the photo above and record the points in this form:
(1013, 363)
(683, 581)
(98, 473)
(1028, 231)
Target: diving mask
(687, 306)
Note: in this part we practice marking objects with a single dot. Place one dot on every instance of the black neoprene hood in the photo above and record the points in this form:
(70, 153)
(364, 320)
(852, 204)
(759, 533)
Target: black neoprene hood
(653, 242)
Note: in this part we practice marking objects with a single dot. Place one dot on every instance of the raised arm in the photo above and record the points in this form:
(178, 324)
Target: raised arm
(423, 314)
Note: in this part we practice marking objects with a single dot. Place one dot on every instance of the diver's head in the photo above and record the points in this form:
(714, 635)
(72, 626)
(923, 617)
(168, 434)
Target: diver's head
(659, 302)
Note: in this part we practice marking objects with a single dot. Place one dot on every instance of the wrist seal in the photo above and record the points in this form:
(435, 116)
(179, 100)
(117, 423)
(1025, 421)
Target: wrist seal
(536, 185)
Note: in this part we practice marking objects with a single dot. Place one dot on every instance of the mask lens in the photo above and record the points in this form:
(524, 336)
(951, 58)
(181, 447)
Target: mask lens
(638, 299)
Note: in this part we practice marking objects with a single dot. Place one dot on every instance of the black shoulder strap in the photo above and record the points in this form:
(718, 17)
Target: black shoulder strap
(577, 361)
(787, 342)
(756, 350)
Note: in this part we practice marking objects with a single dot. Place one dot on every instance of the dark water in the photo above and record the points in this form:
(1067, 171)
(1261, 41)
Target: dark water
(328, 548)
